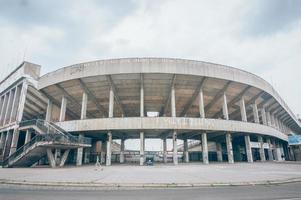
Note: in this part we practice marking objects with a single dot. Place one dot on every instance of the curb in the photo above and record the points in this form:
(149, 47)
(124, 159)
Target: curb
(144, 185)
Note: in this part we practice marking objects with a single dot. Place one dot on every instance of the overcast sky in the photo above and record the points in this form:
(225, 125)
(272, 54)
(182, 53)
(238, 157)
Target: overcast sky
(260, 36)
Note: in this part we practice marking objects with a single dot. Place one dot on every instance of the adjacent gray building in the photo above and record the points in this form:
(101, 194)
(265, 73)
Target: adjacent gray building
(72, 115)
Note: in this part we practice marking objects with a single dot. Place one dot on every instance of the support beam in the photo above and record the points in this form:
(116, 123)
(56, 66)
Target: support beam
(121, 158)
(243, 110)
(50, 157)
(263, 116)
(91, 96)
(64, 157)
(166, 103)
(173, 102)
(205, 149)
(186, 153)
(175, 148)
(164, 150)
(63, 109)
(84, 106)
(118, 101)
(142, 142)
(261, 149)
(14, 105)
(141, 96)
(198, 91)
(225, 107)
(248, 149)
(109, 149)
(14, 142)
(255, 113)
(201, 104)
(217, 96)
(49, 111)
(229, 148)
(111, 103)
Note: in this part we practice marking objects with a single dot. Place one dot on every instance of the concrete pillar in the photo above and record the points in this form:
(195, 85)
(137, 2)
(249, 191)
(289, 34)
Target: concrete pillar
(49, 111)
(186, 153)
(269, 119)
(219, 152)
(205, 148)
(270, 151)
(255, 113)
(83, 114)
(272, 120)
(22, 101)
(173, 102)
(142, 139)
(229, 148)
(63, 109)
(87, 152)
(80, 151)
(27, 136)
(109, 149)
(243, 110)
(121, 159)
(225, 107)
(175, 147)
(14, 105)
(14, 142)
(50, 157)
(164, 151)
(248, 149)
(263, 116)
(64, 157)
(3, 110)
(111, 103)
(201, 104)
(2, 140)
(141, 97)
(57, 156)
(8, 107)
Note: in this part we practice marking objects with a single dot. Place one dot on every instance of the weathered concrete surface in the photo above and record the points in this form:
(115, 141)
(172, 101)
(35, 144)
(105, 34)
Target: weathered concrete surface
(164, 66)
(192, 173)
(137, 123)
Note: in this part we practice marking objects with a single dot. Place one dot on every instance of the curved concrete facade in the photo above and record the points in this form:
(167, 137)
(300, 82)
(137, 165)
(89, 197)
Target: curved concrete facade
(237, 112)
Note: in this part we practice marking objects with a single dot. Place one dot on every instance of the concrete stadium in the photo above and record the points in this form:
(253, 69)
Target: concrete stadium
(73, 115)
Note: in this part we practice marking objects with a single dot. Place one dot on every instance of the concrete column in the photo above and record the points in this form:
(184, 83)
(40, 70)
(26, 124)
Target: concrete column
(121, 159)
(109, 149)
(173, 102)
(186, 153)
(57, 156)
(205, 148)
(201, 104)
(63, 109)
(49, 111)
(51, 159)
(83, 114)
(27, 136)
(270, 152)
(219, 152)
(243, 110)
(8, 107)
(14, 142)
(141, 97)
(142, 139)
(269, 123)
(164, 151)
(14, 105)
(2, 140)
(277, 122)
(272, 121)
(248, 149)
(111, 103)
(3, 110)
(229, 148)
(263, 116)
(80, 151)
(87, 152)
(175, 147)
(64, 157)
(255, 113)
(225, 107)
(22, 101)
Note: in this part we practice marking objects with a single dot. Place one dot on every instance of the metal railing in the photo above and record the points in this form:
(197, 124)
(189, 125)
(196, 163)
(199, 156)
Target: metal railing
(51, 133)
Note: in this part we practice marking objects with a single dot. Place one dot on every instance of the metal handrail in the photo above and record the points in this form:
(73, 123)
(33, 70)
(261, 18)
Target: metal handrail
(51, 134)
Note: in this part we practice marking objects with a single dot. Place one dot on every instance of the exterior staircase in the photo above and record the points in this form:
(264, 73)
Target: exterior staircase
(48, 136)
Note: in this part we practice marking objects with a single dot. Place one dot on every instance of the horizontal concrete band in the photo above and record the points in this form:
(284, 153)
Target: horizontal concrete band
(169, 123)
(160, 65)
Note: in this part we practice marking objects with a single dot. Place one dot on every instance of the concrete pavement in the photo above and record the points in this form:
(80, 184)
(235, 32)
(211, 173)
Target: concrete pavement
(183, 175)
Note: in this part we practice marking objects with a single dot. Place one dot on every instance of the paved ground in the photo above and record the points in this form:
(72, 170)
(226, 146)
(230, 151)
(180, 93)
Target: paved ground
(275, 192)
(183, 173)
